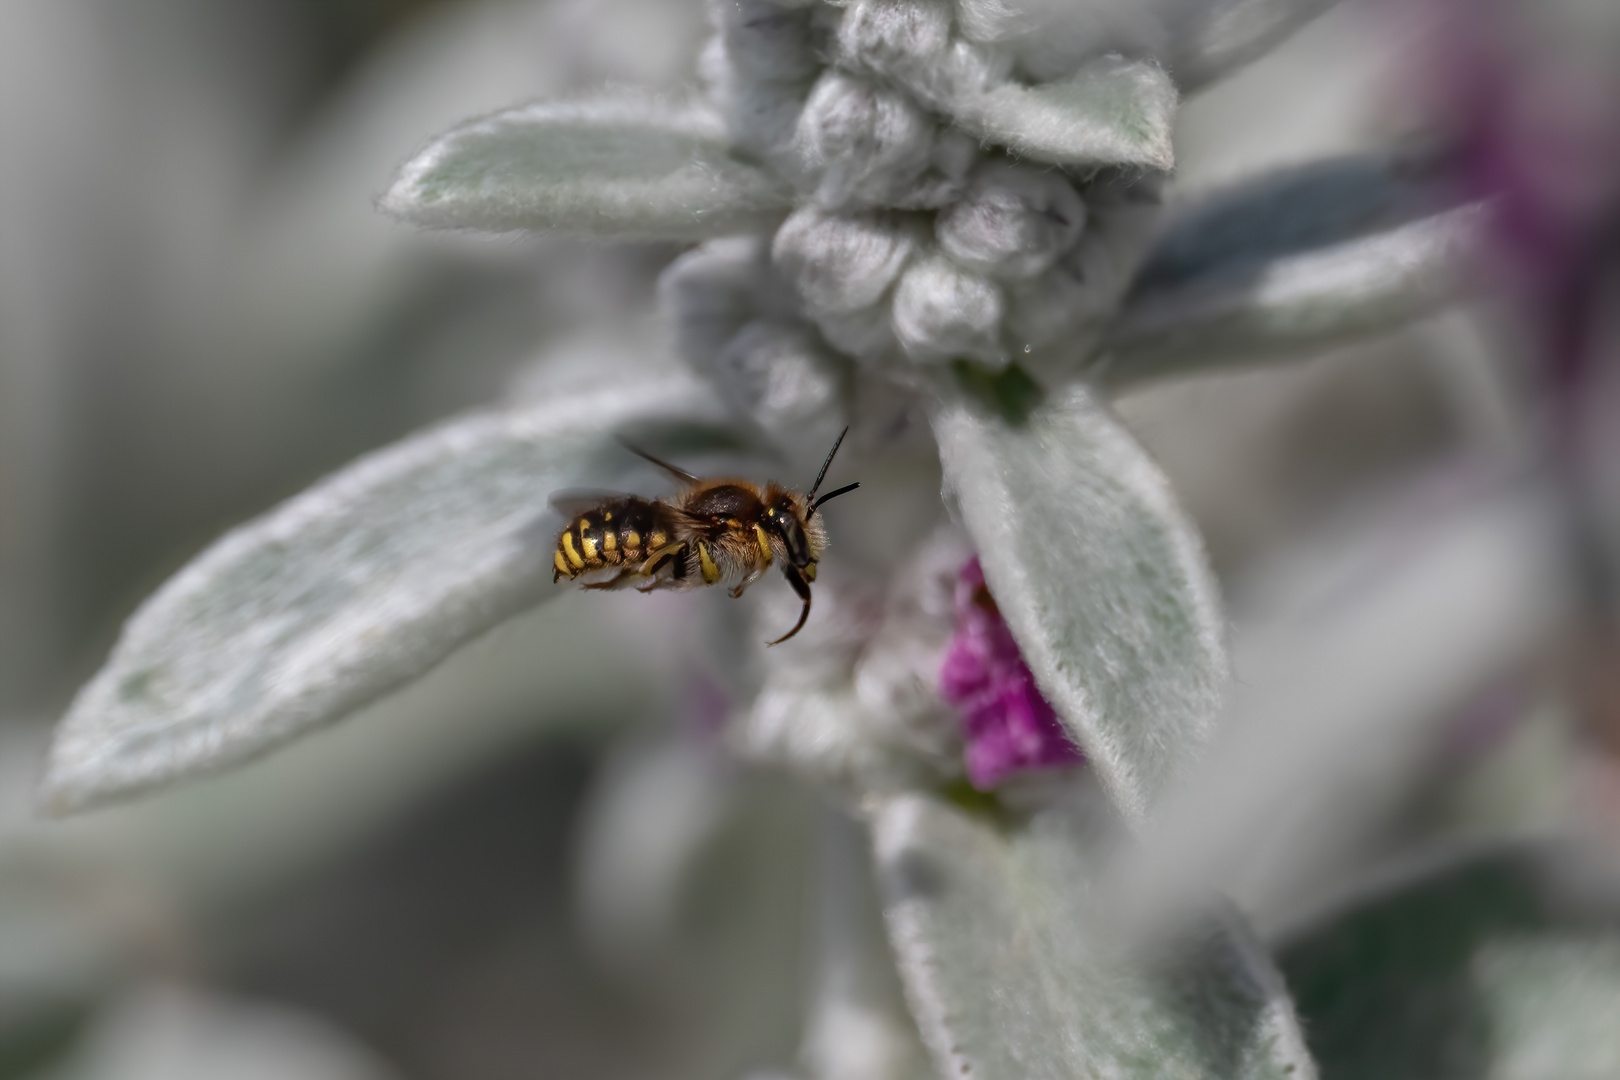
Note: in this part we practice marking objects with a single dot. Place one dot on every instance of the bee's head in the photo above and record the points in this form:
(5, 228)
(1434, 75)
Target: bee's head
(787, 513)
(785, 516)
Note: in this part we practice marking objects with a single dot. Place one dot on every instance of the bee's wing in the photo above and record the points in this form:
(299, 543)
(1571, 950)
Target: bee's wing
(572, 502)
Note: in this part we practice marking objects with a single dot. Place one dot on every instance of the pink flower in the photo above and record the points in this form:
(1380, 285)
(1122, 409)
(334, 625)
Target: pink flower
(1008, 725)
(1535, 118)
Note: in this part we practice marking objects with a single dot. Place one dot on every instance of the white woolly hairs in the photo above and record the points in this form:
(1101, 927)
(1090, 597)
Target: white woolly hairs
(909, 42)
(869, 144)
(897, 675)
(864, 334)
(840, 262)
(1012, 222)
(901, 39)
(915, 243)
(942, 311)
(1048, 42)
(991, 20)
(760, 114)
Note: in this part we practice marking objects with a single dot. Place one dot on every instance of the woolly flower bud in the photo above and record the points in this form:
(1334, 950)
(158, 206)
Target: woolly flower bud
(1012, 222)
(806, 716)
(909, 42)
(990, 20)
(840, 262)
(857, 104)
(759, 113)
(901, 39)
(897, 674)
(868, 144)
(942, 312)
(967, 70)
(858, 703)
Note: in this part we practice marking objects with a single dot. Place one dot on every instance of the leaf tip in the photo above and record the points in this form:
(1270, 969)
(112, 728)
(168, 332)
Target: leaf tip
(406, 199)
(62, 790)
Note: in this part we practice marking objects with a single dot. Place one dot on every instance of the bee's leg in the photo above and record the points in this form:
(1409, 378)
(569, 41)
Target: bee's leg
(802, 587)
(742, 586)
(664, 568)
(668, 555)
(618, 581)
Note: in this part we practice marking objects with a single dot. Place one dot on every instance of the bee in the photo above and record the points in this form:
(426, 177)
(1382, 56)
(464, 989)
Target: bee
(711, 532)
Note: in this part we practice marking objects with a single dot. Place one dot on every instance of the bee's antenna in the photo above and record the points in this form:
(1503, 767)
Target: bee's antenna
(680, 474)
(822, 475)
(845, 490)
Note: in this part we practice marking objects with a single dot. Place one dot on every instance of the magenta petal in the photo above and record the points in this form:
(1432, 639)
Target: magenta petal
(1008, 725)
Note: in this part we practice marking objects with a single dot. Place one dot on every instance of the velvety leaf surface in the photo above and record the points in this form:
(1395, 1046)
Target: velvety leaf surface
(1100, 576)
(1477, 968)
(626, 164)
(1113, 112)
(1297, 260)
(1013, 978)
(342, 593)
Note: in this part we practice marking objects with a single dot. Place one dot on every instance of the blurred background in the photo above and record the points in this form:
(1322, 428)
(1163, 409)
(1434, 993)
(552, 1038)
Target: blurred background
(528, 864)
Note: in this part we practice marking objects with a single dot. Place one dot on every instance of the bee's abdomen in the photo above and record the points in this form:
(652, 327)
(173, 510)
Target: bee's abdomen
(622, 532)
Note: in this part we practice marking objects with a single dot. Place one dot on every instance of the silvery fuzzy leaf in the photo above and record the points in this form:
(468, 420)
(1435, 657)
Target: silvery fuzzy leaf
(1208, 40)
(1389, 632)
(626, 164)
(1298, 260)
(1113, 112)
(1100, 576)
(1013, 976)
(342, 593)
(1484, 964)
(1198, 41)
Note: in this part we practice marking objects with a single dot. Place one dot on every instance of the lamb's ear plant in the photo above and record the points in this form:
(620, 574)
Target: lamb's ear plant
(939, 222)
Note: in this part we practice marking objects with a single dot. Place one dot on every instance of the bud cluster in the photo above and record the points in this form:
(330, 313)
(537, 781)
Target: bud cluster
(914, 240)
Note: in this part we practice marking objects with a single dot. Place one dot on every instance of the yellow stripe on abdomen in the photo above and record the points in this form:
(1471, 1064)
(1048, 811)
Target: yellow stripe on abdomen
(571, 551)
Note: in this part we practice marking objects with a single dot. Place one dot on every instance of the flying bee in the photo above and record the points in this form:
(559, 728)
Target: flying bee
(711, 532)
